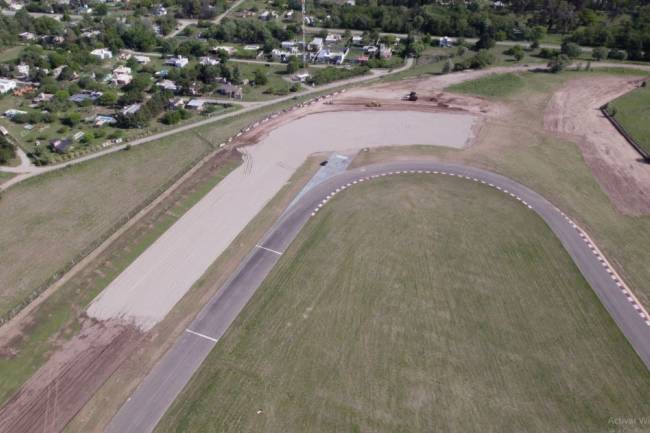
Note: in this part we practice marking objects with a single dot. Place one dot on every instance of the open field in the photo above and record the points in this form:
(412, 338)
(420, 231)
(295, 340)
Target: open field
(446, 307)
(518, 145)
(493, 86)
(633, 113)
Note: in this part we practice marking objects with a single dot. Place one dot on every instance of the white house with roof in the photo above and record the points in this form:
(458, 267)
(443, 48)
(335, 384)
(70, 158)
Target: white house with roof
(143, 60)
(102, 53)
(225, 48)
(131, 109)
(7, 85)
(208, 61)
(27, 36)
(167, 85)
(177, 62)
(332, 38)
(22, 70)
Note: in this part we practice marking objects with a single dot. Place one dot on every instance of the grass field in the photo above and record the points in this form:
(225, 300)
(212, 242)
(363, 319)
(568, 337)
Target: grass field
(633, 113)
(493, 86)
(446, 307)
(522, 149)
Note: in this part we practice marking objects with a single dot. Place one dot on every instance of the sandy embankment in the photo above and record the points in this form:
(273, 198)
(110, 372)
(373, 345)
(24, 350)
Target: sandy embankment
(147, 290)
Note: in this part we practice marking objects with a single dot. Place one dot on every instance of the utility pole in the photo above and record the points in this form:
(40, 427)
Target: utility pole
(304, 45)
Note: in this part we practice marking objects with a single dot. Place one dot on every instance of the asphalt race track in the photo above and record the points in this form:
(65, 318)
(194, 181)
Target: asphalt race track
(142, 411)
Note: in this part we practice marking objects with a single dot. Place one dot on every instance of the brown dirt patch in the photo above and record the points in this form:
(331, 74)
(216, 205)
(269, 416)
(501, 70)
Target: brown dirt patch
(573, 113)
(71, 376)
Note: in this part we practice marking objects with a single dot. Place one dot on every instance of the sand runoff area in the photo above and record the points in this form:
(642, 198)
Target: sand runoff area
(148, 289)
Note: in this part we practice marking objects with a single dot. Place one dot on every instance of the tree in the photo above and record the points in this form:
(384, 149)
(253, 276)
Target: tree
(571, 49)
(260, 77)
(599, 53)
(448, 66)
(517, 52)
(108, 98)
(293, 65)
(558, 63)
(72, 119)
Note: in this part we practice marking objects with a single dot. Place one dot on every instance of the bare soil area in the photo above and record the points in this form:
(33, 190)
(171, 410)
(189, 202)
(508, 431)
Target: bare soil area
(72, 375)
(573, 113)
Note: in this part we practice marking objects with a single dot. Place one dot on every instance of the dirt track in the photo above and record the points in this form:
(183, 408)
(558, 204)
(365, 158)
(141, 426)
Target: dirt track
(573, 113)
(59, 389)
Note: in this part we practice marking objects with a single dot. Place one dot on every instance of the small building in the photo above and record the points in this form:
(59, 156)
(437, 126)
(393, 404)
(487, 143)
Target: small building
(265, 15)
(196, 104)
(316, 44)
(84, 96)
(131, 109)
(288, 45)
(7, 85)
(332, 38)
(445, 42)
(121, 76)
(60, 145)
(101, 120)
(370, 49)
(280, 55)
(12, 112)
(22, 70)
(143, 60)
(177, 102)
(159, 11)
(232, 91)
(301, 77)
(177, 62)
(225, 48)
(102, 53)
(27, 36)
(3, 131)
(252, 48)
(208, 61)
(168, 85)
(78, 135)
(357, 41)
(42, 97)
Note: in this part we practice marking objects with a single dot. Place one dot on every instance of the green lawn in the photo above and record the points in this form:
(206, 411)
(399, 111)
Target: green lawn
(633, 113)
(446, 306)
(492, 86)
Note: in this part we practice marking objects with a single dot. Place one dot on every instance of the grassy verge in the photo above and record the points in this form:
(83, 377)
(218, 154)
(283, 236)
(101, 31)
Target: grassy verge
(492, 86)
(433, 315)
(56, 319)
(98, 412)
(632, 111)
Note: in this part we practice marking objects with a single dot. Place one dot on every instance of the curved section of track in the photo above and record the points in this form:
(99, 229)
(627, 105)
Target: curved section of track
(160, 388)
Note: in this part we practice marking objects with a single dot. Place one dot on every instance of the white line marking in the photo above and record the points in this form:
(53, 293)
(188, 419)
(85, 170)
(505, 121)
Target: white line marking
(207, 337)
(269, 249)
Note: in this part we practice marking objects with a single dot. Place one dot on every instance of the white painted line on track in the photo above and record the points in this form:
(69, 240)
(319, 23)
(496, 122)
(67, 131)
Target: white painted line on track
(269, 249)
(207, 337)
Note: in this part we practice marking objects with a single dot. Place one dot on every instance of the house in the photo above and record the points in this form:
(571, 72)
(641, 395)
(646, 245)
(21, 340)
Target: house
(265, 15)
(104, 120)
(12, 112)
(102, 53)
(27, 36)
(362, 60)
(288, 45)
(168, 85)
(85, 95)
(208, 61)
(131, 109)
(385, 52)
(195, 104)
(14, 6)
(280, 56)
(89, 34)
(143, 60)
(328, 56)
(159, 11)
(121, 76)
(232, 91)
(332, 38)
(42, 97)
(6, 85)
(445, 42)
(370, 49)
(225, 48)
(351, 2)
(288, 14)
(177, 62)
(162, 73)
(84, 10)
(60, 145)
(177, 103)
(316, 44)
(357, 41)
(22, 71)
(301, 77)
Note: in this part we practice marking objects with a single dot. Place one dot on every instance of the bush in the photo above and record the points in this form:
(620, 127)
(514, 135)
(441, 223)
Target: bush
(571, 49)
(558, 63)
(599, 53)
(615, 54)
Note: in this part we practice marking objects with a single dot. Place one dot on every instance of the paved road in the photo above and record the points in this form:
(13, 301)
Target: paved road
(35, 171)
(152, 398)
